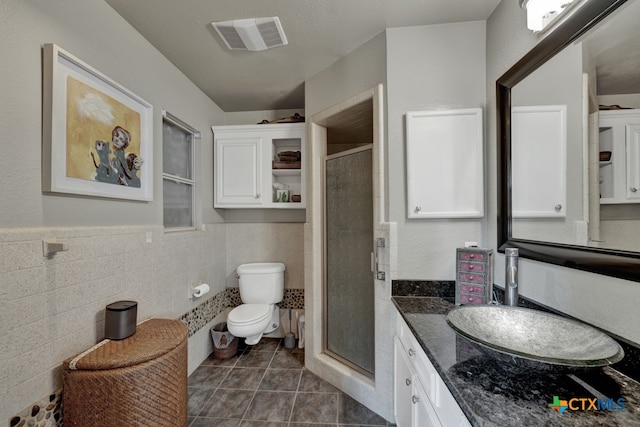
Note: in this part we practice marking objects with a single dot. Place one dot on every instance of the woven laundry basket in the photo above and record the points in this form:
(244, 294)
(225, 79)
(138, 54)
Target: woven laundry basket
(137, 381)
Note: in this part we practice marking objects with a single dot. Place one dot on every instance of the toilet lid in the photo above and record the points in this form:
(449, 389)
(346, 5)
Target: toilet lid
(250, 313)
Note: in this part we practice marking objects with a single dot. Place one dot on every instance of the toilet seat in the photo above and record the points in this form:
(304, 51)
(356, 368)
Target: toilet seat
(252, 320)
(250, 313)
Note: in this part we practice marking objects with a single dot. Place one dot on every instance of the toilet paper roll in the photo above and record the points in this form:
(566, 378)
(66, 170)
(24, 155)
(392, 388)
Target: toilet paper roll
(200, 290)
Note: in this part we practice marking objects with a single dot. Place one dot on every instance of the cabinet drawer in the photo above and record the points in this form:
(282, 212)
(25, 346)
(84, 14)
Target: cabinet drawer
(471, 278)
(471, 266)
(425, 371)
(468, 288)
(470, 299)
(472, 256)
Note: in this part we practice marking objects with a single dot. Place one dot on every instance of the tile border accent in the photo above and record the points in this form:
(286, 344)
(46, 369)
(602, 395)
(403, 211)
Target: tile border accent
(199, 316)
(45, 413)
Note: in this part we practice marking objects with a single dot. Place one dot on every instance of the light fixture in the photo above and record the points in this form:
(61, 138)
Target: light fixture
(540, 13)
(251, 34)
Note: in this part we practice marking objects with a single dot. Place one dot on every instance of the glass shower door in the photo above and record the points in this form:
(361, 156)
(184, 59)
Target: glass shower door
(349, 282)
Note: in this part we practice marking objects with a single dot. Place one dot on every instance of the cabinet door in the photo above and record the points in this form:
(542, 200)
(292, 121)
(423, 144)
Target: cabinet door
(633, 162)
(424, 414)
(403, 392)
(445, 164)
(238, 170)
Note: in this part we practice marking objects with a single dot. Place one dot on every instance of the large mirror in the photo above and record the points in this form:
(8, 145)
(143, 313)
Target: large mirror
(569, 144)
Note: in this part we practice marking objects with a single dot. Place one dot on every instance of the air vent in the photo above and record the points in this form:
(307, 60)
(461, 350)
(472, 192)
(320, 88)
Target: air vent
(251, 34)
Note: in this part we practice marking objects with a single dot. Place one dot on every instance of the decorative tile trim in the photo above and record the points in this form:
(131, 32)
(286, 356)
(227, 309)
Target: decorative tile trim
(293, 298)
(198, 317)
(45, 413)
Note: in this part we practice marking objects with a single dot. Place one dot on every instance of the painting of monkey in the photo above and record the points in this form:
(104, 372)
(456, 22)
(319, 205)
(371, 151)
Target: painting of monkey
(93, 118)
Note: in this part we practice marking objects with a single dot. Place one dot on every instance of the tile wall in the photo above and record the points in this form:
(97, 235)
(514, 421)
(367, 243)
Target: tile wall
(53, 307)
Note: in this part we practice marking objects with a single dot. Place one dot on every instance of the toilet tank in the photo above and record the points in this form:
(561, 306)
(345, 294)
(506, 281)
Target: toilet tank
(261, 283)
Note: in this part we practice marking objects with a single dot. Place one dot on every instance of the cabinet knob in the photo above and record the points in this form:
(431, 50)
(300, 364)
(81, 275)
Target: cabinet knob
(257, 196)
(558, 207)
(415, 399)
(634, 189)
(412, 352)
(407, 381)
(418, 209)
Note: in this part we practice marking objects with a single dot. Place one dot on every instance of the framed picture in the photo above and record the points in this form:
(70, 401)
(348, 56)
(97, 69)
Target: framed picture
(97, 135)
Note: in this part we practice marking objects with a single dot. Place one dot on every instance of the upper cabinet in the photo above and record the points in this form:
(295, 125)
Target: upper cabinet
(445, 164)
(260, 166)
(619, 156)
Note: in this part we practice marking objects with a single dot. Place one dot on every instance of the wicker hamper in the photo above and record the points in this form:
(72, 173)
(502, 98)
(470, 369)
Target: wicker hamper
(137, 381)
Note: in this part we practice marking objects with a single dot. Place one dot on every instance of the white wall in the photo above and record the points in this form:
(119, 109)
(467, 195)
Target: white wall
(93, 32)
(352, 74)
(605, 302)
(432, 67)
(266, 243)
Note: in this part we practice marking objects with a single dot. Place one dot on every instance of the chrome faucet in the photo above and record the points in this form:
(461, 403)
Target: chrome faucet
(511, 276)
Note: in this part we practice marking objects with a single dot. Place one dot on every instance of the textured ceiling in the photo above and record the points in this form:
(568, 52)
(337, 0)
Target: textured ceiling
(319, 33)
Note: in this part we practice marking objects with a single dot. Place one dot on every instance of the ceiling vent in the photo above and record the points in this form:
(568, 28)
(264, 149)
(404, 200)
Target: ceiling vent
(251, 34)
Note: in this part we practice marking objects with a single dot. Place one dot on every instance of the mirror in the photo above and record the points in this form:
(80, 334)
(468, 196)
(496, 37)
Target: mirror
(559, 201)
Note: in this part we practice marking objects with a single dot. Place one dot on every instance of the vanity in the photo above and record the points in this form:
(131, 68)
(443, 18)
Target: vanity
(443, 379)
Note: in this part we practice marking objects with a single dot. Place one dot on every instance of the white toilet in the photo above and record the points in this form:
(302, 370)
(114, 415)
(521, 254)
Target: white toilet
(261, 287)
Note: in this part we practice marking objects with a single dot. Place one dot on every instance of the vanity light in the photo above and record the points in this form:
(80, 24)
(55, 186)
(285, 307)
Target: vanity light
(540, 13)
(252, 34)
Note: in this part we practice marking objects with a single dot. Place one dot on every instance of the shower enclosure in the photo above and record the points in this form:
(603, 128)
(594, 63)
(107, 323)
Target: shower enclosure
(349, 282)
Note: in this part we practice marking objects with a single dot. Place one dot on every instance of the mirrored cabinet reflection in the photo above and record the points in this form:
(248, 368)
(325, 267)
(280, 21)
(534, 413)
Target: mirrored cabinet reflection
(619, 161)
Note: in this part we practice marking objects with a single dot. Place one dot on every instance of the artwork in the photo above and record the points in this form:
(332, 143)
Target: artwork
(97, 135)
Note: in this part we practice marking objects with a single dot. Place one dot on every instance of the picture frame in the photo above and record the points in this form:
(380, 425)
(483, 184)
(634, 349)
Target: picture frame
(97, 135)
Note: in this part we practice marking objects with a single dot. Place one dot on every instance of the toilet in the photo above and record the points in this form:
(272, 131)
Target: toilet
(261, 287)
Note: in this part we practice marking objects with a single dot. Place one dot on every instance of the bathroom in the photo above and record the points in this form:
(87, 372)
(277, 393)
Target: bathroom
(53, 308)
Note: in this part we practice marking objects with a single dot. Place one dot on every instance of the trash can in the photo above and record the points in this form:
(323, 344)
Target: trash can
(225, 345)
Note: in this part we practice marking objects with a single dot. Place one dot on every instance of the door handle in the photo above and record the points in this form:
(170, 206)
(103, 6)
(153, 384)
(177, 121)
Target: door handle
(378, 243)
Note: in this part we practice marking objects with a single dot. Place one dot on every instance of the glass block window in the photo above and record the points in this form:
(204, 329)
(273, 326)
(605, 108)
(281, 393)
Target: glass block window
(178, 182)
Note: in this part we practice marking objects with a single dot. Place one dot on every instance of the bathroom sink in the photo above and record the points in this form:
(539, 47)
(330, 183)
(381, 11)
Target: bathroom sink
(535, 335)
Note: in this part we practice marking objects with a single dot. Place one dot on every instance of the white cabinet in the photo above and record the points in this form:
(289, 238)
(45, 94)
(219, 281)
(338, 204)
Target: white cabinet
(421, 398)
(445, 164)
(412, 406)
(620, 174)
(238, 173)
(538, 159)
(253, 161)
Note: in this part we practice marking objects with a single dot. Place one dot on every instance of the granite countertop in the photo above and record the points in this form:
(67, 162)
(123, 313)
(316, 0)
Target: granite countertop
(495, 393)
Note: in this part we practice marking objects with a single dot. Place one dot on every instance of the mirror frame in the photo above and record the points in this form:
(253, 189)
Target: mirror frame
(609, 262)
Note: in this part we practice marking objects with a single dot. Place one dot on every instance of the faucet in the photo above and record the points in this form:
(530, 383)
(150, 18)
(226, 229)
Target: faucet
(511, 277)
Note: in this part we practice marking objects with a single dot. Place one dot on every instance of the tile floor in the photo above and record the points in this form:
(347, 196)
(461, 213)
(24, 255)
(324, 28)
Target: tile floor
(267, 385)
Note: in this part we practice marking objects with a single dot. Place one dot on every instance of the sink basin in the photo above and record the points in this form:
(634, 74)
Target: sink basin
(535, 335)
